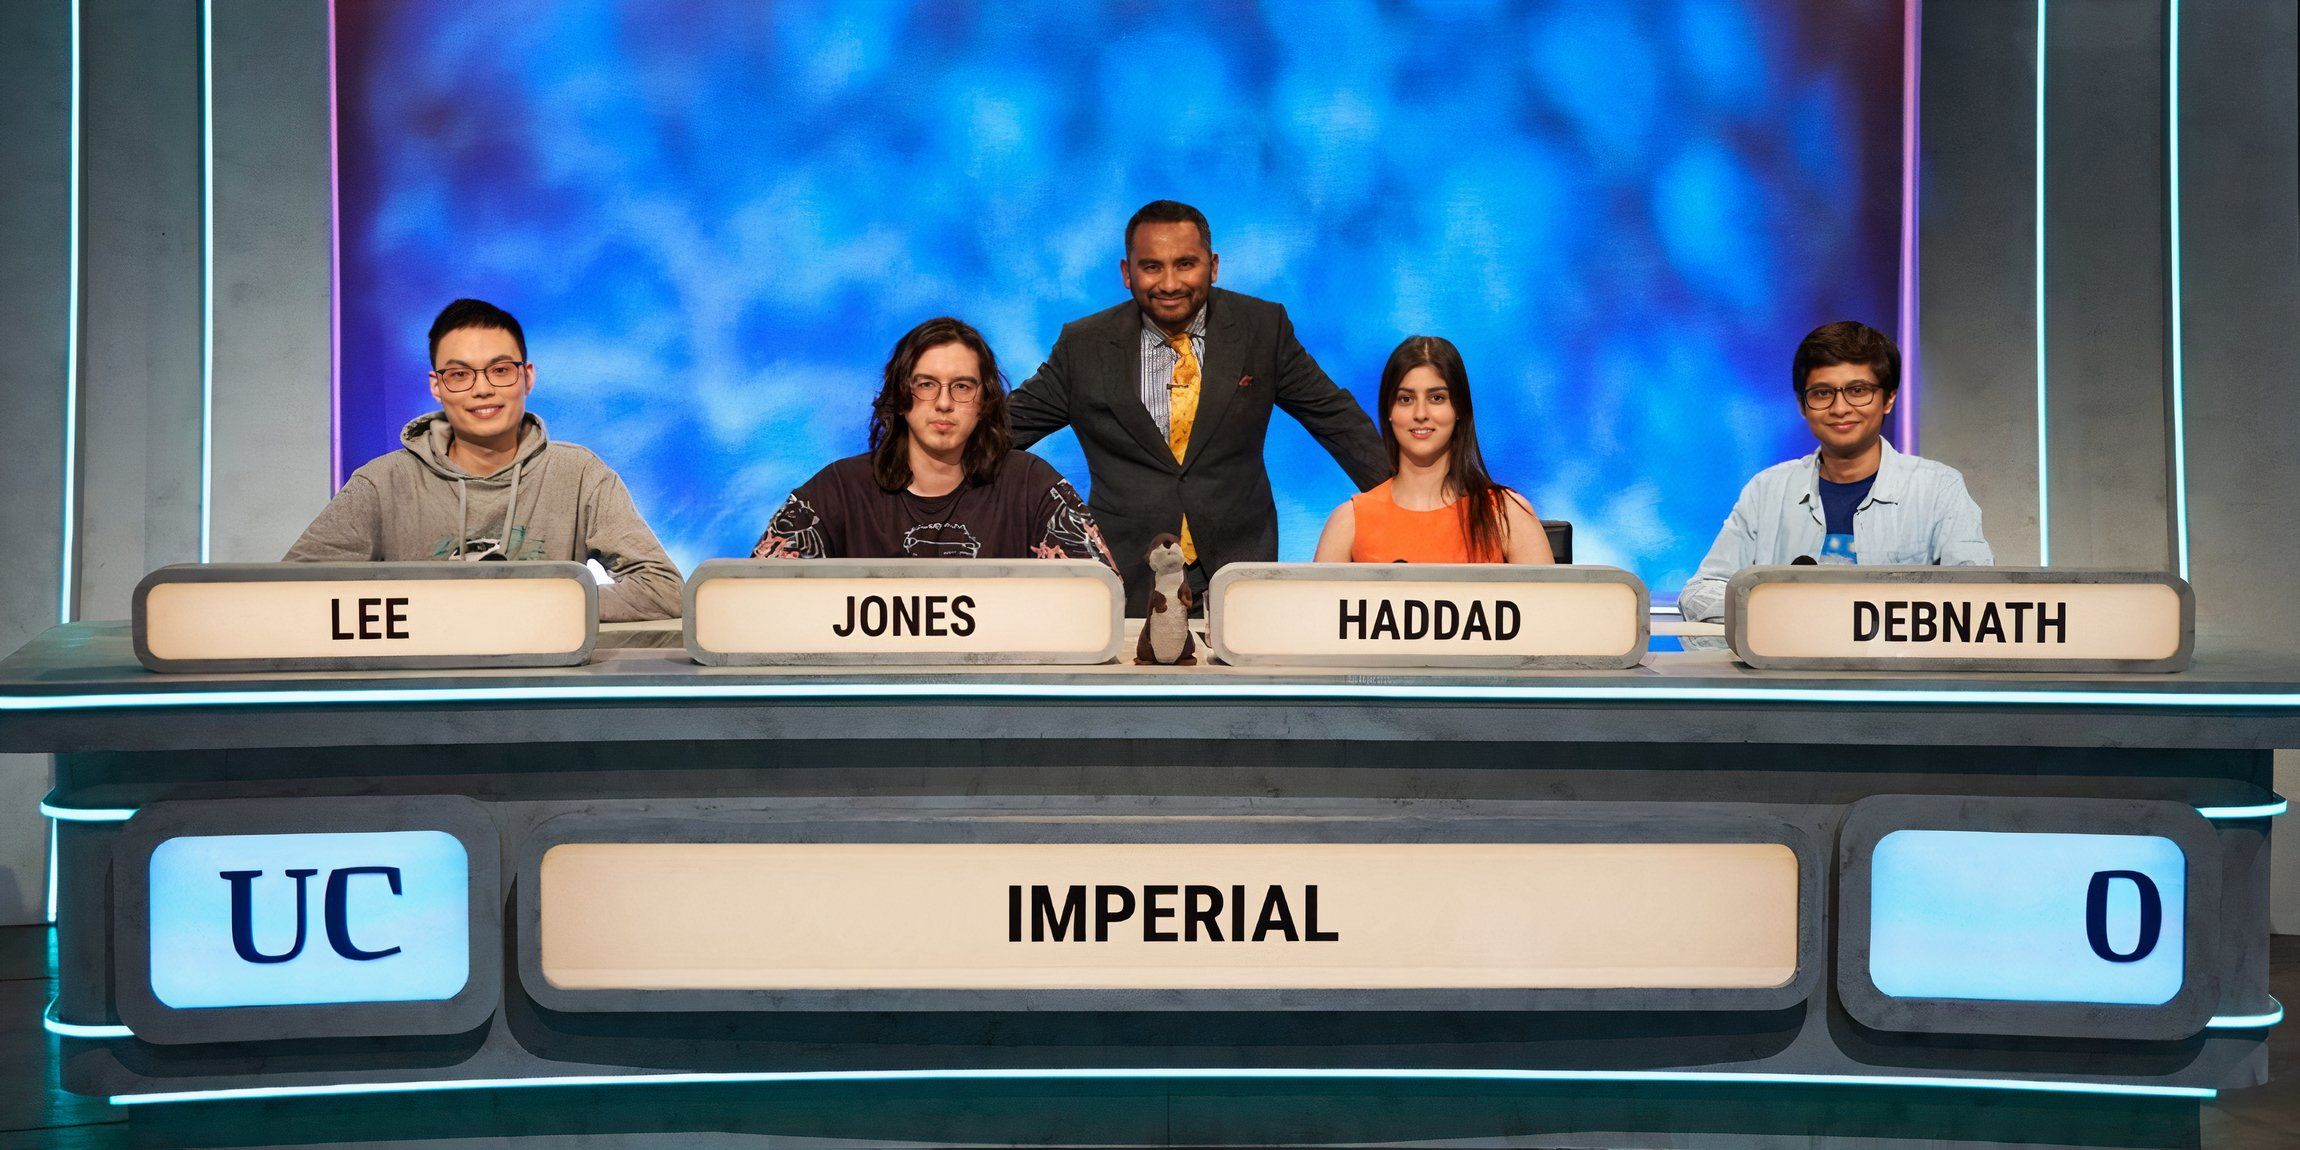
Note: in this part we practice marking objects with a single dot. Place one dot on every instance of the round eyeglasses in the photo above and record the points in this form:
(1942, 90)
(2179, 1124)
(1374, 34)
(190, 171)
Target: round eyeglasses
(963, 392)
(501, 373)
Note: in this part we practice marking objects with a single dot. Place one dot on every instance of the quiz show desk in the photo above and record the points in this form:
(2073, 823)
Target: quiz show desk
(1592, 893)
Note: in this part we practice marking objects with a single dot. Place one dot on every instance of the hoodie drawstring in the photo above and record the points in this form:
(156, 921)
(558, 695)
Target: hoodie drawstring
(510, 508)
(462, 516)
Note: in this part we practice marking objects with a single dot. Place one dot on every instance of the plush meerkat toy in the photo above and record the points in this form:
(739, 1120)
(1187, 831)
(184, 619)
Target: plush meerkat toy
(1166, 633)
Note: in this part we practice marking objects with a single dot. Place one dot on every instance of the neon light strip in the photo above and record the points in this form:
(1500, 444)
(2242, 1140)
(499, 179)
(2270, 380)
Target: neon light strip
(88, 814)
(1725, 1078)
(2043, 448)
(2248, 1021)
(207, 274)
(54, 1025)
(334, 275)
(51, 867)
(2179, 351)
(176, 700)
(123, 814)
(67, 576)
(1905, 413)
(2267, 810)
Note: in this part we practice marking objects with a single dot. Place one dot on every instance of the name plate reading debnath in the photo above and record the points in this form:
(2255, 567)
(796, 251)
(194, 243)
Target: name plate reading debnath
(1428, 615)
(796, 612)
(1167, 916)
(1847, 618)
(238, 617)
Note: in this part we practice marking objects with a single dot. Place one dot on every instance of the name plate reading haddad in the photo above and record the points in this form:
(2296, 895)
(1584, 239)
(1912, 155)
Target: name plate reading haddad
(796, 612)
(1428, 615)
(1847, 618)
(1167, 916)
(235, 617)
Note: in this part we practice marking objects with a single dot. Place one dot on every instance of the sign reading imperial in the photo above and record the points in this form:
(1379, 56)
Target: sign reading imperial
(1428, 615)
(796, 611)
(654, 916)
(1959, 618)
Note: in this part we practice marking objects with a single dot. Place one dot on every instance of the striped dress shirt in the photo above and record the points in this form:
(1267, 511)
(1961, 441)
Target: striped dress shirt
(1158, 362)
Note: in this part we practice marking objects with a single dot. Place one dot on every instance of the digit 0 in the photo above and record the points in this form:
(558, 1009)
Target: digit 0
(2096, 915)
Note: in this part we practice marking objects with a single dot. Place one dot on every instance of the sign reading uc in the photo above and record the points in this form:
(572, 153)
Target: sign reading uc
(304, 919)
(2028, 917)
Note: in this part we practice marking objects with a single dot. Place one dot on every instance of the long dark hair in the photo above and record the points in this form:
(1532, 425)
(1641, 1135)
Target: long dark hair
(1474, 491)
(985, 449)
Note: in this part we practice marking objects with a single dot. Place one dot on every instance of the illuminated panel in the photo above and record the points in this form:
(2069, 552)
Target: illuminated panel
(337, 616)
(305, 919)
(2019, 917)
(1699, 183)
(1427, 615)
(658, 916)
(832, 611)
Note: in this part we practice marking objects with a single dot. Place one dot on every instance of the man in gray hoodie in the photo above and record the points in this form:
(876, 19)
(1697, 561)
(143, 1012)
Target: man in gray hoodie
(480, 480)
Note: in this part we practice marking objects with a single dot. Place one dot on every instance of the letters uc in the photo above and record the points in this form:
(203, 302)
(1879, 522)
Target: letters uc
(335, 915)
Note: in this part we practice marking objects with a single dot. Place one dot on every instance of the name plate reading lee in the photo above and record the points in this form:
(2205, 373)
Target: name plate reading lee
(796, 612)
(1845, 618)
(231, 617)
(632, 916)
(1428, 615)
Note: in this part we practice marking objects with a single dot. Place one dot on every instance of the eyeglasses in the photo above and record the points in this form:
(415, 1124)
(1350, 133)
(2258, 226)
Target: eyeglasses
(501, 373)
(1858, 394)
(963, 392)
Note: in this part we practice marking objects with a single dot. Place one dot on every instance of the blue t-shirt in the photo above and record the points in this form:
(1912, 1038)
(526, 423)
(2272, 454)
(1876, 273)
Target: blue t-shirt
(1838, 502)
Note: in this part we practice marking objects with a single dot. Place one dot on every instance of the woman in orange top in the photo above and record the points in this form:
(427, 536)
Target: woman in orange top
(1439, 505)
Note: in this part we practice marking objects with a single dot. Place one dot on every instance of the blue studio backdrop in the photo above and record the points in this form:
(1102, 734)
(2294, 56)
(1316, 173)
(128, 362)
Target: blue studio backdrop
(714, 219)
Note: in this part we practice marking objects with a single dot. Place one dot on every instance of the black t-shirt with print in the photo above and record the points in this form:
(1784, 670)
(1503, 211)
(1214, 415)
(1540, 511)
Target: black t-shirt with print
(1026, 511)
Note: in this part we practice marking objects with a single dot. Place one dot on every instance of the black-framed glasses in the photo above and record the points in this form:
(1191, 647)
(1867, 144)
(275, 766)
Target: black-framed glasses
(1857, 394)
(963, 392)
(501, 373)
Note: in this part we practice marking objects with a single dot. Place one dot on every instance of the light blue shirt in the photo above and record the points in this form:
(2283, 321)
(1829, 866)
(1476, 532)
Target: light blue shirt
(1918, 512)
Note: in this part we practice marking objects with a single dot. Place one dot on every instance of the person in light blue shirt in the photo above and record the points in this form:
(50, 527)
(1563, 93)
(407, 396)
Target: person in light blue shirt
(1856, 500)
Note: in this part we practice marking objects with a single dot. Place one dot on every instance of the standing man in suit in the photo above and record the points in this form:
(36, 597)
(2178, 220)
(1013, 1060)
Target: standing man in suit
(1171, 393)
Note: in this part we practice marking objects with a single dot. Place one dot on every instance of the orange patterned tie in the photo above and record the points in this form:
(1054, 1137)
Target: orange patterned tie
(1182, 411)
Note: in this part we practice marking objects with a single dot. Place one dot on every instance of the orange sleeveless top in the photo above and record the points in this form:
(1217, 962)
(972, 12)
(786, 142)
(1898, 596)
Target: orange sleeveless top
(1388, 533)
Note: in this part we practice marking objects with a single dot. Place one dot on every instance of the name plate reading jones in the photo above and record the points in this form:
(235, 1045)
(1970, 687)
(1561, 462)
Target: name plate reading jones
(795, 612)
(1846, 618)
(639, 916)
(232, 617)
(1428, 615)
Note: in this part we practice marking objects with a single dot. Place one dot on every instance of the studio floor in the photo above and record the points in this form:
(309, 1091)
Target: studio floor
(35, 1111)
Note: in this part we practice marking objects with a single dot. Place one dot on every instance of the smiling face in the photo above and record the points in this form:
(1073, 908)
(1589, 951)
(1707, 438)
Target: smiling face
(1422, 416)
(942, 417)
(1844, 428)
(492, 410)
(1169, 271)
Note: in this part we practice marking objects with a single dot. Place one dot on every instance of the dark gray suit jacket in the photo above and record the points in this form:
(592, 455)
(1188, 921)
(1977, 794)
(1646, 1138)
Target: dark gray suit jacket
(1090, 382)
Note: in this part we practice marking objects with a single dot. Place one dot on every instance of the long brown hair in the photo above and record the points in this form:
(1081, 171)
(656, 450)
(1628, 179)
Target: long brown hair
(1479, 497)
(985, 449)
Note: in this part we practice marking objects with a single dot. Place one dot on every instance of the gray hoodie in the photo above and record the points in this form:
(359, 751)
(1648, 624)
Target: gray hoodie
(555, 501)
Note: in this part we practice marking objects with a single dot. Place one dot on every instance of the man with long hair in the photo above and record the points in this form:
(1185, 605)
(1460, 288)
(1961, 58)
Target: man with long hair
(1170, 394)
(1856, 500)
(942, 478)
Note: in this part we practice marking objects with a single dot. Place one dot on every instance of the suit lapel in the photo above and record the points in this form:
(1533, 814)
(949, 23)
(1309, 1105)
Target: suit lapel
(1218, 376)
(1125, 397)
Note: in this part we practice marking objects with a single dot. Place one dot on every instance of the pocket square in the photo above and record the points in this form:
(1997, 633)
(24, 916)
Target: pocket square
(1243, 380)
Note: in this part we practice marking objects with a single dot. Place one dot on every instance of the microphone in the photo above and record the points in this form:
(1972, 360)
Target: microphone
(1804, 561)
